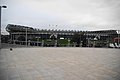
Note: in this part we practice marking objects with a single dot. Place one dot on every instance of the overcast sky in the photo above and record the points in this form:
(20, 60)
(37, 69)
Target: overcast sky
(66, 14)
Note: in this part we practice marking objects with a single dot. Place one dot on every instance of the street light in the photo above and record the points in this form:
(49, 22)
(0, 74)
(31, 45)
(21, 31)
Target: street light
(87, 38)
(118, 32)
(26, 35)
(0, 22)
(68, 42)
(38, 40)
(95, 39)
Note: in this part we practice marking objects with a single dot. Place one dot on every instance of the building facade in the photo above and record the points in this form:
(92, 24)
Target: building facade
(42, 37)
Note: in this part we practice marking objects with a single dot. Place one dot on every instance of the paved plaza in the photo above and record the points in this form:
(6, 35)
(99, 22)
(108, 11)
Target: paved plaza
(60, 64)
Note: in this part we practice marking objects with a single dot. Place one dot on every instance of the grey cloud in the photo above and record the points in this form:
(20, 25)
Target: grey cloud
(97, 13)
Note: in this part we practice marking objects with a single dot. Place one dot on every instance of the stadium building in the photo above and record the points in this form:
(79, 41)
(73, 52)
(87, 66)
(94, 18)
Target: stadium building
(29, 36)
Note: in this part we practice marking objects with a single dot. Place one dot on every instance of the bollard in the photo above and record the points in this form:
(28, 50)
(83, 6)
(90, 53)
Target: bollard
(11, 49)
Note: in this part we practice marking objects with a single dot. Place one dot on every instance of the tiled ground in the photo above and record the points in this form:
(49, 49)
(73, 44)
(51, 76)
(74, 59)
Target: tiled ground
(60, 64)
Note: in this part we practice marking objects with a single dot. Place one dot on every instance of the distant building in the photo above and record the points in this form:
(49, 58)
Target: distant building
(35, 36)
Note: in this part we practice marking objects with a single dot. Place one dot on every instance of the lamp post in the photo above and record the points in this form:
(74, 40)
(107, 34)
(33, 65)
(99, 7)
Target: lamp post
(38, 40)
(55, 40)
(26, 36)
(0, 22)
(87, 38)
(118, 32)
(95, 39)
(118, 38)
(68, 42)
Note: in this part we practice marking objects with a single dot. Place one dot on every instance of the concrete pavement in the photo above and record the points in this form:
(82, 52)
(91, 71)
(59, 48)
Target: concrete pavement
(60, 64)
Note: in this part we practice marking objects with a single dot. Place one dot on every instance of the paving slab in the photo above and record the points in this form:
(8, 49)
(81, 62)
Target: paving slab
(64, 63)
